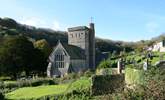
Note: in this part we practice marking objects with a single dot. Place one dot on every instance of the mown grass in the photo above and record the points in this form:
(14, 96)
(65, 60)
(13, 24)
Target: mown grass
(36, 92)
(41, 91)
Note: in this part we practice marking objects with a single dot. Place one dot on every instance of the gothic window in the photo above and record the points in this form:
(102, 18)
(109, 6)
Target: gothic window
(59, 61)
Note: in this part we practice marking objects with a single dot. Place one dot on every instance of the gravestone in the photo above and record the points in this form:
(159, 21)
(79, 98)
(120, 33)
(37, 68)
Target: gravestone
(49, 69)
(145, 65)
(120, 65)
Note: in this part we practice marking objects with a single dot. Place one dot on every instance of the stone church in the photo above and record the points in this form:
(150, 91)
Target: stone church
(76, 56)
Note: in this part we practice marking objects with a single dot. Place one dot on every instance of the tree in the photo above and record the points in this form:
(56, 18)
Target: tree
(16, 55)
(43, 50)
(43, 46)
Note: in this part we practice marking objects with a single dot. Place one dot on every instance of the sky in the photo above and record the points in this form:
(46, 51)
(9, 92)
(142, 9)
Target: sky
(126, 20)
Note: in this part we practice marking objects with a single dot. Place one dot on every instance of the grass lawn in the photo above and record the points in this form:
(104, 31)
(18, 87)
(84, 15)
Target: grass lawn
(36, 92)
(40, 91)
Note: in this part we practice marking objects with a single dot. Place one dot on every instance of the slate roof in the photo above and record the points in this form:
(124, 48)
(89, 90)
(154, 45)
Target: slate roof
(74, 51)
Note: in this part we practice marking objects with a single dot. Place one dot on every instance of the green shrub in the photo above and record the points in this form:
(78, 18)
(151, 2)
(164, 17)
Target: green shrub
(104, 64)
(105, 84)
(88, 73)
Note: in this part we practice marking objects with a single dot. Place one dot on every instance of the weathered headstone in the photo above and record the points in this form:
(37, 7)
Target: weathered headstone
(145, 65)
(49, 69)
(120, 66)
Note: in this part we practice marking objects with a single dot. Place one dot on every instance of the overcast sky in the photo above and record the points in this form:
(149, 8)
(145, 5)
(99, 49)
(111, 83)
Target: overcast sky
(127, 20)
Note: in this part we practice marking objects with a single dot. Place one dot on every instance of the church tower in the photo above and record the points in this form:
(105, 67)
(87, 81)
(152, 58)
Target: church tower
(92, 46)
(84, 37)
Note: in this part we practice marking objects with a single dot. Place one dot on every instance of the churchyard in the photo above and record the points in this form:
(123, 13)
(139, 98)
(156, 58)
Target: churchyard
(130, 83)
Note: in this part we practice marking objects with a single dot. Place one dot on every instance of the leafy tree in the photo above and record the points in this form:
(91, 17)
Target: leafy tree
(16, 55)
(40, 62)
(43, 46)
(43, 49)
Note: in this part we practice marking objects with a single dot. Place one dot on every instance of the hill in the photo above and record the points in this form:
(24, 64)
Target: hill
(10, 27)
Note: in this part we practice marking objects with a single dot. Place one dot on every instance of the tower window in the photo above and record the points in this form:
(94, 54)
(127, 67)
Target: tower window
(79, 35)
(71, 35)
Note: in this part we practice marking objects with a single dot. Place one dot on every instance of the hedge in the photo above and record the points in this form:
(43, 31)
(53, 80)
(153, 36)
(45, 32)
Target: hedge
(105, 84)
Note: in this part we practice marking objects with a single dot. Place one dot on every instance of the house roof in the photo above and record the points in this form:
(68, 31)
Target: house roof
(74, 51)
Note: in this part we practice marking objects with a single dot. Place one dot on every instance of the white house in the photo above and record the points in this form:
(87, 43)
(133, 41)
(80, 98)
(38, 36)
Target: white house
(160, 46)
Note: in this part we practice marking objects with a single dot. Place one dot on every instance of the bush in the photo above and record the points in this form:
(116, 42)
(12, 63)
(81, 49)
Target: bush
(102, 85)
(88, 73)
(105, 64)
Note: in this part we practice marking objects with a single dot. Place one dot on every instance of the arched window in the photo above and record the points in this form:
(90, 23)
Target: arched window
(59, 61)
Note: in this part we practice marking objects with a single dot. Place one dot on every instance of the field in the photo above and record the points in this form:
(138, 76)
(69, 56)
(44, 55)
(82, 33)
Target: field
(41, 91)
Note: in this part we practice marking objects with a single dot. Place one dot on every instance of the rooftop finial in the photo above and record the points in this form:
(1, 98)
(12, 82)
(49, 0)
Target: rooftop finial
(91, 19)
